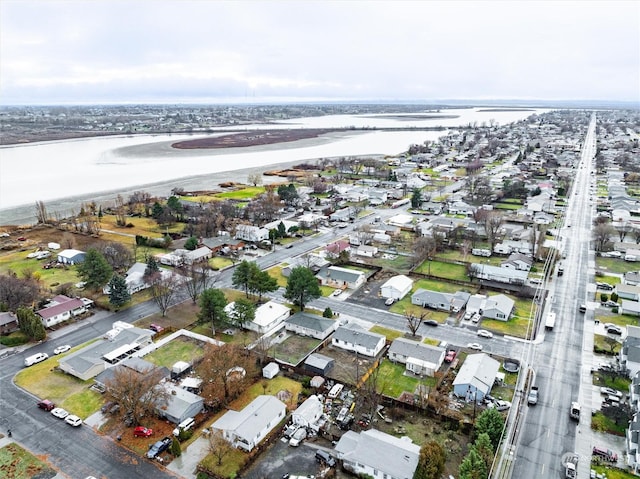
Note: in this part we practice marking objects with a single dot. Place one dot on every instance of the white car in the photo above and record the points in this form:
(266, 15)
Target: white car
(610, 392)
(390, 301)
(59, 412)
(475, 346)
(62, 349)
(337, 292)
(73, 420)
(483, 333)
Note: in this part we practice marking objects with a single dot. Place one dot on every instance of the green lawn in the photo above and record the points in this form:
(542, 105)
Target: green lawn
(615, 265)
(599, 422)
(71, 393)
(612, 472)
(242, 194)
(390, 334)
(514, 327)
(276, 272)
(18, 463)
(444, 270)
(180, 349)
(600, 343)
(219, 262)
(441, 286)
(392, 381)
(18, 263)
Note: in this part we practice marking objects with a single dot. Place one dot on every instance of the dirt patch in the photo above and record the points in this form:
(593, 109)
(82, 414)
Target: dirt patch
(255, 138)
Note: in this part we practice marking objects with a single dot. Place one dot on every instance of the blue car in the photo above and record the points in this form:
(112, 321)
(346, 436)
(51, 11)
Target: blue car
(159, 447)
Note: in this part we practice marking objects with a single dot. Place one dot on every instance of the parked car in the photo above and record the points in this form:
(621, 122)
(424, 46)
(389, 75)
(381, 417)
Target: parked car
(483, 333)
(476, 318)
(390, 301)
(46, 405)
(613, 329)
(604, 286)
(475, 346)
(431, 322)
(468, 315)
(73, 420)
(290, 430)
(606, 454)
(337, 292)
(159, 447)
(142, 431)
(610, 304)
(59, 413)
(451, 355)
(106, 406)
(610, 392)
(62, 349)
(156, 328)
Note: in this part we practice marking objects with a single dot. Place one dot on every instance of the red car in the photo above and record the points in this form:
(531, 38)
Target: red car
(46, 405)
(156, 327)
(142, 431)
(451, 355)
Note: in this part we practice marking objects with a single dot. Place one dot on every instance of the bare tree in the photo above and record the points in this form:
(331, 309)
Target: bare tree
(16, 292)
(413, 321)
(623, 228)
(364, 234)
(255, 179)
(219, 446)
(137, 393)
(41, 213)
(423, 249)
(492, 225)
(120, 211)
(164, 287)
(198, 277)
(602, 233)
(117, 255)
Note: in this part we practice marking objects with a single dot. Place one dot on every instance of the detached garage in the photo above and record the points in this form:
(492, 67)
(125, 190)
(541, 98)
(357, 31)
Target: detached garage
(318, 364)
(397, 287)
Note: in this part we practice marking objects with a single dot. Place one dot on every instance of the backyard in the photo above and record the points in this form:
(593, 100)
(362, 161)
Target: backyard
(17, 463)
(393, 380)
(182, 348)
(293, 349)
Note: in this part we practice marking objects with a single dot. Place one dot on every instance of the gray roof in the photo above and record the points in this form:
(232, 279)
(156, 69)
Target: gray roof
(416, 350)
(356, 335)
(85, 358)
(457, 300)
(253, 418)
(178, 401)
(340, 274)
(318, 361)
(312, 322)
(478, 370)
(395, 457)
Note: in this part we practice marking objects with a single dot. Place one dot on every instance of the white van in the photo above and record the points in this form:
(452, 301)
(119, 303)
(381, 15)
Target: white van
(36, 358)
(184, 426)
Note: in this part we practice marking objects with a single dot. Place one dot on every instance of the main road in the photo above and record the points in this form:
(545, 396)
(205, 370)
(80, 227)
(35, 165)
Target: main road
(545, 431)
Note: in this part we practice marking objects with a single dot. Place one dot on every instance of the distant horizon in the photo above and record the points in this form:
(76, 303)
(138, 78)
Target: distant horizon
(505, 103)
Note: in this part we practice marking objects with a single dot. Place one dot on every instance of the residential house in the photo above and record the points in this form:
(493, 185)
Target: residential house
(59, 309)
(71, 256)
(498, 274)
(418, 358)
(247, 428)
(251, 233)
(396, 287)
(366, 251)
(311, 325)
(629, 356)
(135, 365)
(88, 362)
(180, 405)
(268, 316)
(630, 292)
(519, 261)
(629, 307)
(337, 247)
(476, 377)
(286, 225)
(222, 244)
(357, 339)
(632, 441)
(312, 261)
(181, 257)
(8, 323)
(632, 278)
(308, 413)
(498, 307)
(343, 215)
(338, 277)
(373, 453)
(440, 301)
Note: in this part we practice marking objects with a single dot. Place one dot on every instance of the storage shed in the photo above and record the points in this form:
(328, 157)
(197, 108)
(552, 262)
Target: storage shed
(270, 371)
(319, 364)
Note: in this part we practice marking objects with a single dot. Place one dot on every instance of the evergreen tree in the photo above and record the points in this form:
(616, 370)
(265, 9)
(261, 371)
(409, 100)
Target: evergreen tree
(262, 282)
(491, 422)
(95, 270)
(212, 303)
(243, 311)
(242, 275)
(191, 244)
(30, 324)
(483, 447)
(327, 313)
(431, 461)
(118, 291)
(302, 286)
(416, 198)
(152, 268)
(473, 466)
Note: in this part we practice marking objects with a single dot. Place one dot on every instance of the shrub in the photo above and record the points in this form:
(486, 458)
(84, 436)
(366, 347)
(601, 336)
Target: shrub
(14, 339)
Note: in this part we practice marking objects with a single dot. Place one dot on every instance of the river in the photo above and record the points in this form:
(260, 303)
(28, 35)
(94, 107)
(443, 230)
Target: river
(65, 173)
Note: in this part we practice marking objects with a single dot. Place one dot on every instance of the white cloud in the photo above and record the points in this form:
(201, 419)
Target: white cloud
(112, 50)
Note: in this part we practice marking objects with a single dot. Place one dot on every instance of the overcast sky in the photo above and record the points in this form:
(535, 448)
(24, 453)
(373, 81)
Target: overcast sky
(95, 51)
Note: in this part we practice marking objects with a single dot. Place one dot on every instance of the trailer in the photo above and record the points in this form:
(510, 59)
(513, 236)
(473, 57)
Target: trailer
(570, 466)
(550, 322)
(574, 412)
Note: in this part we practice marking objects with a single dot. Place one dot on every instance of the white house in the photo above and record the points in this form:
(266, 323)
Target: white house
(267, 317)
(311, 325)
(308, 413)
(338, 277)
(396, 287)
(251, 233)
(630, 352)
(476, 377)
(373, 453)
(498, 307)
(59, 309)
(354, 338)
(245, 429)
(418, 358)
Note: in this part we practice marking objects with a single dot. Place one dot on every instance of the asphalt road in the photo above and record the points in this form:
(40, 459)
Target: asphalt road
(547, 432)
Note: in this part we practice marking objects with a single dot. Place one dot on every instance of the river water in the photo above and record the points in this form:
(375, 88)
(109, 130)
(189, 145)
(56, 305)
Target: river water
(65, 173)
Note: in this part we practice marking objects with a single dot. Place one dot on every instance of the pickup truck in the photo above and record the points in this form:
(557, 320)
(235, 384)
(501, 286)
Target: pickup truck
(532, 398)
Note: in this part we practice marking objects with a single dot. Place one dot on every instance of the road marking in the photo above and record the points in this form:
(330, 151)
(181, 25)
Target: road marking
(542, 472)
